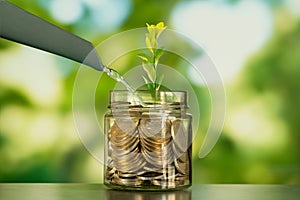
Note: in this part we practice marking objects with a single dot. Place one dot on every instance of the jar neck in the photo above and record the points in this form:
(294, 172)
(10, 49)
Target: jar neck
(162, 101)
(150, 109)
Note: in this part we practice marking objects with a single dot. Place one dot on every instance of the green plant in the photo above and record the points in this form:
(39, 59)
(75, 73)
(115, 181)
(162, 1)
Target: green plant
(150, 62)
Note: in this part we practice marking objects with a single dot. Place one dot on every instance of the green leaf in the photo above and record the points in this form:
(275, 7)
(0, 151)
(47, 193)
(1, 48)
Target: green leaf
(150, 86)
(145, 57)
(159, 81)
(146, 80)
(148, 83)
(157, 54)
(149, 69)
(150, 62)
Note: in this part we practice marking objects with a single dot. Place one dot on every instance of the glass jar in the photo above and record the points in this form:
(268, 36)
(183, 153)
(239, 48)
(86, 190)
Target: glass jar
(148, 147)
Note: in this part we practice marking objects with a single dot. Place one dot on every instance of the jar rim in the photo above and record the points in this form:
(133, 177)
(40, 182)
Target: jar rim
(166, 97)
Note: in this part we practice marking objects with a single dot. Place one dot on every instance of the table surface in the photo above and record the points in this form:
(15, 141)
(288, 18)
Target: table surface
(98, 191)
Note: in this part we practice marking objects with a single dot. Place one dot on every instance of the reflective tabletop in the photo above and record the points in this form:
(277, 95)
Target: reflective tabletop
(98, 191)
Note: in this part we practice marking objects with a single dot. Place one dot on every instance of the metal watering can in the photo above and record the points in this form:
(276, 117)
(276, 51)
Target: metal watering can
(23, 27)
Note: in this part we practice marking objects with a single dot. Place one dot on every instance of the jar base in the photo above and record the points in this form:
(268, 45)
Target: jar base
(146, 188)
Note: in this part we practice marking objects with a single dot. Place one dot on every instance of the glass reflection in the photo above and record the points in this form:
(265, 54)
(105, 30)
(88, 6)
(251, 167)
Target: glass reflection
(135, 195)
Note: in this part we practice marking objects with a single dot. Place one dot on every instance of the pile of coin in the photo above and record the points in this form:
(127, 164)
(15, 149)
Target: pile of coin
(124, 140)
(150, 151)
(180, 146)
(155, 139)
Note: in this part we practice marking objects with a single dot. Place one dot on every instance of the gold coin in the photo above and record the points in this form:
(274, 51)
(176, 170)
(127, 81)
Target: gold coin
(126, 175)
(164, 184)
(120, 154)
(184, 157)
(152, 149)
(130, 165)
(126, 181)
(150, 176)
(155, 141)
(157, 160)
(110, 172)
(182, 177)
(182, 167)
(128, 146)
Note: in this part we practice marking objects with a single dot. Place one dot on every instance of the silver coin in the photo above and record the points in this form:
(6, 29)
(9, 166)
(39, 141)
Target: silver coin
(180, 136)
(126, 125)
(154, 126)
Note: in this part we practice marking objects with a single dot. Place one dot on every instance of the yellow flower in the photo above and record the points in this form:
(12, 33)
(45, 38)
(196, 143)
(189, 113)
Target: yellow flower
(154, 32)
(161, 25)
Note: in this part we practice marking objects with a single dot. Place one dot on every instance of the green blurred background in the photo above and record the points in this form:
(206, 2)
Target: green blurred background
(255, 45)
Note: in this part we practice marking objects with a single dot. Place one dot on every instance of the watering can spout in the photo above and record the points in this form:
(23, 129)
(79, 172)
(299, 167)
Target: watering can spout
(23, 27)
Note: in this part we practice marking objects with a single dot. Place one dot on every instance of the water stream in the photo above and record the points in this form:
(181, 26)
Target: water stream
(119, 78)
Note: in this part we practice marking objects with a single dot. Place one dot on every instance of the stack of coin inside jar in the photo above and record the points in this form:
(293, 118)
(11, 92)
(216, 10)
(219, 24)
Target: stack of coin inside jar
(152, 150)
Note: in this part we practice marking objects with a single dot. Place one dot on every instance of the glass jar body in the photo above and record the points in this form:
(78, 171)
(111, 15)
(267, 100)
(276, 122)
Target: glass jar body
(148, 148)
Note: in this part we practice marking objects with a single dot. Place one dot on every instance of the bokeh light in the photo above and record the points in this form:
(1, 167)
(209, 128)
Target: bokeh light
(253, 127)
(108, 15)
(32, 74)
(293, 6)
(67, 11)
(229, 32)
